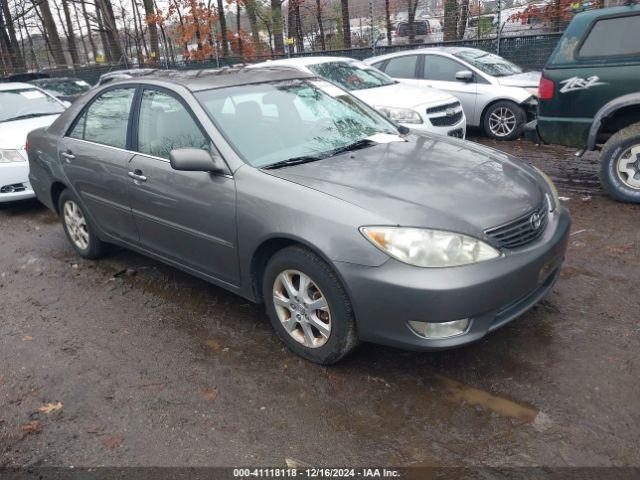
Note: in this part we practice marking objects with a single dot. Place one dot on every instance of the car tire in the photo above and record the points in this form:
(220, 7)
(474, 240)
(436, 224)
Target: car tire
(78, 228)
(340, 338)
(624, 146)
(512, 116)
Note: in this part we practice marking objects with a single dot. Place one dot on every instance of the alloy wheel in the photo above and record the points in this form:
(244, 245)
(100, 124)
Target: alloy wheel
(502, 122)
(302, 308)
(76, 224)
(628, 167)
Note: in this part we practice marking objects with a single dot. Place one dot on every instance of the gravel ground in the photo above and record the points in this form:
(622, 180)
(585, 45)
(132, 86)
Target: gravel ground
(125, 361)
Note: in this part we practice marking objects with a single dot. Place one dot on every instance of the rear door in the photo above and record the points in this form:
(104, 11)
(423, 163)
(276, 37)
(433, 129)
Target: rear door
(439, 72)
(404, 68)
(185, 217)
(95, 160)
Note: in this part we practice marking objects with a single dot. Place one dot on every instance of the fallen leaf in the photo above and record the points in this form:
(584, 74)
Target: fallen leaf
(213, 344)
(31, 427)
(50, 407)
(210, 393)
(293, 463)
(27, 338)
(112, 442)
(620, 249)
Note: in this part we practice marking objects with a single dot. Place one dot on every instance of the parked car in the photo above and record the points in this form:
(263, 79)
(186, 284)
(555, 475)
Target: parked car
(496, 94)
(23, 107)
(124, 74)
(400, 32)
(67, 89)
(423, 109)
(590, 95)
(24, 77)
(281, 187)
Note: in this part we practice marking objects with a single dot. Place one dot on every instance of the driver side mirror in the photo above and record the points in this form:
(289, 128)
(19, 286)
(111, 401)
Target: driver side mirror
(195, 160)
(464, 76)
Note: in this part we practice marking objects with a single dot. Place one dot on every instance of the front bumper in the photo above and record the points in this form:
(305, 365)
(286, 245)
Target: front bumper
(458, 130)
(14, 182)
(490, 294)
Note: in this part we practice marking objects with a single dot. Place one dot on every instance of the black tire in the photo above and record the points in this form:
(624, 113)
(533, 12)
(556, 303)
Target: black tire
(610, 179)
(95, 248)
(343, 337)
(517, 111)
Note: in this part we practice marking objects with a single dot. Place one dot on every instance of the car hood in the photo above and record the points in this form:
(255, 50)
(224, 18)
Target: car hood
(426, 181)
(526, 79)
(13, 135)
(402, 95)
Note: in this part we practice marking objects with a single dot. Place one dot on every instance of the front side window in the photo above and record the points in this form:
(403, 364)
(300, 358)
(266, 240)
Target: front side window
(613, 36)
(489, 63)
(350, 76)
(24, 103)
(402, 67)
(312, 118)
(441, 68)
(106, 119)
(165, 124)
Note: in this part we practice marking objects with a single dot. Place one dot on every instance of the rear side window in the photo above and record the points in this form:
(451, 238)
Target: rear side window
(402, 67)
(612, 37)
(165, 124)
(106, 119)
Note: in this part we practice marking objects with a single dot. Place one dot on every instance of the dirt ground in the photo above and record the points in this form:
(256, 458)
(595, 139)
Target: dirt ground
(126, 361)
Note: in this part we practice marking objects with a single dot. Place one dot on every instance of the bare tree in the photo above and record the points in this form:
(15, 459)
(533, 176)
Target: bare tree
(87, 22)
(9, 37)
(110, 28)
(223, 29)
(276, 16)
(346, 26)
(320, 20)
(51, 32)
(150, 11)
(412, 6)
(387, 21)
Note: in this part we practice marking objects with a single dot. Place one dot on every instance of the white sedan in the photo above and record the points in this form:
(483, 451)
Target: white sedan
(23, 108)
(420, 109)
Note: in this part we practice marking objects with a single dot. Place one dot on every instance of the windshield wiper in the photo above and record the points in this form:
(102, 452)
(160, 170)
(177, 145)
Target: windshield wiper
(29, 115)
(314, 158)
(293, 161)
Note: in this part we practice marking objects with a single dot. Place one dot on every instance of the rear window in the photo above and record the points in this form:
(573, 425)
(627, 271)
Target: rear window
(612, 37)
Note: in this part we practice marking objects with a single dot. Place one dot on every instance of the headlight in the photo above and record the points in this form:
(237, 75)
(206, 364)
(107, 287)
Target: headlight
(555, 200)
(400, 115)
(8, 156)
(533, 91)
(429, 248)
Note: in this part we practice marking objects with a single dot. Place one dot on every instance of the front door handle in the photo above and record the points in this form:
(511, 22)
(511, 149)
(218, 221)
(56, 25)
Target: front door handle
(68, 155)
(138, 176)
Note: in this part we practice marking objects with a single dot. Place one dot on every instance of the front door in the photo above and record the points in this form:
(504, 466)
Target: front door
(186, 217)
(95, 160)
(439, 72)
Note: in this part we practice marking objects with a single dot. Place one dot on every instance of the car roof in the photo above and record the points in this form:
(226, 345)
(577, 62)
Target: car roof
(197, 80)
(305, 61)
(449, 50)
(14, 86)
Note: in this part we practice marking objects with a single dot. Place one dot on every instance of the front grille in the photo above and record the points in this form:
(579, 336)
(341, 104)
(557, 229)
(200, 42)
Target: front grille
(443, 108)
(15, 188)
(446, 120)
(521, 231)
(458, 133)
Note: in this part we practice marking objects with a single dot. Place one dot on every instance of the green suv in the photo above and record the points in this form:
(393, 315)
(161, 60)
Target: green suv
(589, 95)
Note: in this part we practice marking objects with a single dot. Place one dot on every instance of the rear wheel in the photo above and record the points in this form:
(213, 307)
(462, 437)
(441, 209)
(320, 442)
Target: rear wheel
(504, 120)
(308, 306)
(620, 165)
(78, 228)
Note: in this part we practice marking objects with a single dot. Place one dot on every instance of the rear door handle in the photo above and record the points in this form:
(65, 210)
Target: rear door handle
(137, 176)
(68, 155)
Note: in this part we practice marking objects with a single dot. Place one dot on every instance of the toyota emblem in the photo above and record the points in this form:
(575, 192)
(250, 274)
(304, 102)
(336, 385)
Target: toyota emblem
(535, 221)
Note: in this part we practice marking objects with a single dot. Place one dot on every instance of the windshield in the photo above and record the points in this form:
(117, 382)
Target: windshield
(64, 87)
(489, 63)
(351, 77)
(273, 122)
(25, 103)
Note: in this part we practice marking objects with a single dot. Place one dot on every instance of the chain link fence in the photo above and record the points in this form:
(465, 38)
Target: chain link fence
(524, 32)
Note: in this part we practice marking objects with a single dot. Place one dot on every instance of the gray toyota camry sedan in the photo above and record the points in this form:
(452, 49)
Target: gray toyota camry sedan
(288, 191)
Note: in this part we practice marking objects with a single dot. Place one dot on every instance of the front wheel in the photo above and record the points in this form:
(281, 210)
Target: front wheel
(620, 165)
(308, 306)
(504, 120)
